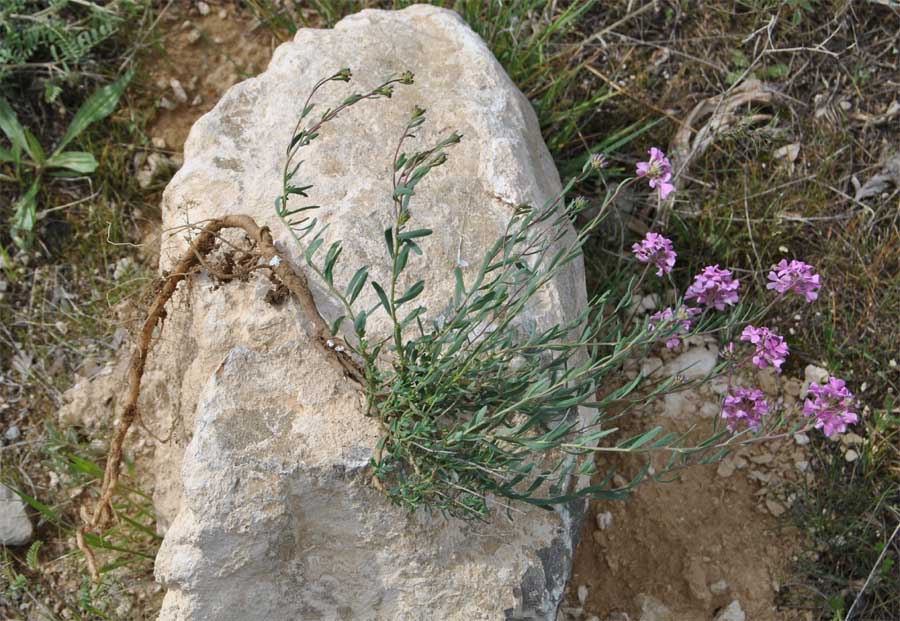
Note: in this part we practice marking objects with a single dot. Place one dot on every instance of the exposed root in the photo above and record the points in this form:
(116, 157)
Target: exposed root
(193, 258)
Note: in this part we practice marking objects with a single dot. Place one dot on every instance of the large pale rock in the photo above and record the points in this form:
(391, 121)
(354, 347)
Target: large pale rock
(15, 527)
(263, 488)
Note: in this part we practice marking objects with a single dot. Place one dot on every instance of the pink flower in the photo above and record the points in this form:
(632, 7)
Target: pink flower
(682, 319)
(658, 171)
(770, 347)
(745, 406)
(831, 406)
(655, 249)
(795, 276)
(714, 287)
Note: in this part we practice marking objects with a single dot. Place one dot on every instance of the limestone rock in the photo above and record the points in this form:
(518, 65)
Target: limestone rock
(263, 488)
(732, 612)
(15, 527)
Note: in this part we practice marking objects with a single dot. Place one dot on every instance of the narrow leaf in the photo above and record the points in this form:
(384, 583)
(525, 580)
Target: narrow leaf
(10, 125)
(79, 161)
(411, 293)
(98, 106)
(356, 283)
(382, 296)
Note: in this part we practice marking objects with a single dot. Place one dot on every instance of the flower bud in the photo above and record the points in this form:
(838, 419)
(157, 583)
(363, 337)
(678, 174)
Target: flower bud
(598, 161)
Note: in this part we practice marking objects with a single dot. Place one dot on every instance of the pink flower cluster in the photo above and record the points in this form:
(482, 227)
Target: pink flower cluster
(682, 318)
(714, 287)
(745, 406)
(831, 405)
(655, 249)
(770, 347)
(796, 277)
(658, 171)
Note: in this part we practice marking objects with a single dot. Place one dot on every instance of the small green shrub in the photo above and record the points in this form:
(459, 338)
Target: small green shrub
(480, 408)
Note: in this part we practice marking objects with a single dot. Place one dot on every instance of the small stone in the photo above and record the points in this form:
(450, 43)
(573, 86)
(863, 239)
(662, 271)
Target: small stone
(765, 458)
(788, 152)
(15, 527)
(649, 302)
(12, 434)
(801, 438)
(203, 8)
(758, 475)
(194, 36)
(223, 14)
(726, 468)
(196, 101)
(718, 587)
(178, 90)
(801, 465)
(812, 373)
(850, 439)
(732, 612)
(158, 142)
(604, 520)
(166, 104)
(652, 609)
(650, 365)
(851, 456)
(775, 508)
(582, 594)
(695, 576)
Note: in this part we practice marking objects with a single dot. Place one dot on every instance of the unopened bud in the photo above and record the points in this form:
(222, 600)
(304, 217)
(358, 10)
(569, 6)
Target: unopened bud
(407, 77)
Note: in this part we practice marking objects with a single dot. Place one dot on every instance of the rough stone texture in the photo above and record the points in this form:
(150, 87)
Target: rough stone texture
(264, 481)
(15, 527)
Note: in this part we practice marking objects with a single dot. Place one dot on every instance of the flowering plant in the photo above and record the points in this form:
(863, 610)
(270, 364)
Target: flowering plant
(475, 411)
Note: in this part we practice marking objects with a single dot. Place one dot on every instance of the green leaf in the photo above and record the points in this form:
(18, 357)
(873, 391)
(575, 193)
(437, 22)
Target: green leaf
(382, 296)
(31, 557)
(98, 106)
(35, 148)
(24, 216)
(10, 125)
(356, 283)
(411, 293)
(389, 240)
(313, 247)
(405, 235)
(334, 252)
(79, 161)
(6, 156)
(359, 324)
(460, 286)
(336, 324)
(402, 258)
